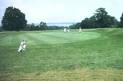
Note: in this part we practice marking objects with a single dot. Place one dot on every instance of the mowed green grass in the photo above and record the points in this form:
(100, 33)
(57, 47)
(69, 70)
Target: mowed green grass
(90, 55)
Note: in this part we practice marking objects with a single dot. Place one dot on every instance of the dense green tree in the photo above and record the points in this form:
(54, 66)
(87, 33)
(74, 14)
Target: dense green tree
(121, 20)
(0, 28)
(111, 21)
(75, 26)
(54, 27)
(100, 19)
(42, 25)
(30, 27)
(103, 19)
(13, 19)
(86, 23)
(89, 23)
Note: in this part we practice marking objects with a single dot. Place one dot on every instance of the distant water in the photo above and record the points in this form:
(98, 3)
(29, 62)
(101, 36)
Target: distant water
(60, 24)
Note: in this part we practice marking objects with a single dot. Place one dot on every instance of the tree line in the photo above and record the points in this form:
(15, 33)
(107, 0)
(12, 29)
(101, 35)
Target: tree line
(100, 19)
(14, 20)
(41, 26)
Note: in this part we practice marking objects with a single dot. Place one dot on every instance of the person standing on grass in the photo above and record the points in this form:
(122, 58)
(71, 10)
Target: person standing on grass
(80, 29)
(22, 46)
(65, 29)
(68, 29)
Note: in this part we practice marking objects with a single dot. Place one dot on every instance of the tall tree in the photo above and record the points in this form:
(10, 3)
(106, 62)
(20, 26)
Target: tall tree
(101, 17)
(13, 19)
(42, 25)
(121, 20)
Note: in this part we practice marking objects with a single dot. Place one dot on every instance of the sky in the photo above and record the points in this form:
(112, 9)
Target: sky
(51, 11)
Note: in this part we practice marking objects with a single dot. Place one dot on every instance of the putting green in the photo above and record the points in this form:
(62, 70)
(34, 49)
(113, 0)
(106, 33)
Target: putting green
(35, 38)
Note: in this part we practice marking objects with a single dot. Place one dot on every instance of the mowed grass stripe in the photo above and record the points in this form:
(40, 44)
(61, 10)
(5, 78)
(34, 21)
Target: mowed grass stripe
(45, 38)
(29, 39)
(73, 36)
(61, 37)
(40, 38)
(10, 39)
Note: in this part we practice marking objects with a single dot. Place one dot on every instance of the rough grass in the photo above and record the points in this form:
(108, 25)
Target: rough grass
(69, 75)
(92, 55)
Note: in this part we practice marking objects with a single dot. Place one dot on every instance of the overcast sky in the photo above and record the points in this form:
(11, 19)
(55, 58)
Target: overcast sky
(61, 10)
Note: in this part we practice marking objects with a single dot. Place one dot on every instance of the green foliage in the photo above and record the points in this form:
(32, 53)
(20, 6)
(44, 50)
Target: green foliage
(75, 26)
(103, 19)
(121, 20)
(42, 25)
(13, 19)
(29, 27)
(100, 19)
(88, 23)
(54, 27)
(0, 28)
